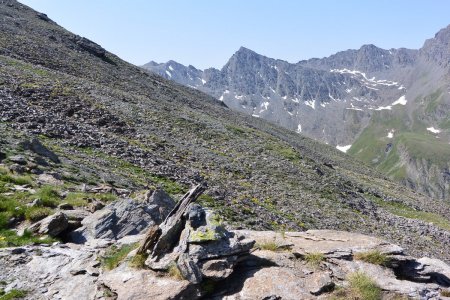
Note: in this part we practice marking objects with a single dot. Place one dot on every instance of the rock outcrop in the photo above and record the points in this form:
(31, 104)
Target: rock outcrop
(302, 265)
(126, 217)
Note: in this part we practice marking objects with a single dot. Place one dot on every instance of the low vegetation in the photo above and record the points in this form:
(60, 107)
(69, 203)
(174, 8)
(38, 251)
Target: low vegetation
(314, 258)
(12, 294)
(115, 255)
(361, 287)
(375, 257)
(138, 261)
(9, 238)
(268, 245)
(175, 272)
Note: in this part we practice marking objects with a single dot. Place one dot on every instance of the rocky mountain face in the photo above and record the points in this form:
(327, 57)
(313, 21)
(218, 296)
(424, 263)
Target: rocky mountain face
(354, 100)
(87, 139)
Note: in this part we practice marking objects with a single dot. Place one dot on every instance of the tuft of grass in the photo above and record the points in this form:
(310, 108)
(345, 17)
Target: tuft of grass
(314, 258)
(268, 245)
(106, 197)
(49, 196)
(445, 293)
(76, 199)
(374, 257)
(114, 255)
(9, 238)
(362, 286)
(35, 214)
(12, 294)
(175, 272)
(138, 261)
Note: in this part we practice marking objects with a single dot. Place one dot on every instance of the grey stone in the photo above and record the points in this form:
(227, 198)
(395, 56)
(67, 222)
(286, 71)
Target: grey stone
(18, 159)
(52, 225)
(124, 217)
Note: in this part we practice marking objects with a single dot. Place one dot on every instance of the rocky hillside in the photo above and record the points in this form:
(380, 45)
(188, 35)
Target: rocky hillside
(86, 121)
(383, 106)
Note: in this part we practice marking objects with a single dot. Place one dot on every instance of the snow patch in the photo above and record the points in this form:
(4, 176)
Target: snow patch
(343, 148)
(369, 81)
(433, 130)
(311, 103)
(299, 128)
(169, 74)
(256, 116)
(389, 107)
(203, 81)
(170, 68)
(391, 134)
(295, 100)
(354, 107)
(402, 101)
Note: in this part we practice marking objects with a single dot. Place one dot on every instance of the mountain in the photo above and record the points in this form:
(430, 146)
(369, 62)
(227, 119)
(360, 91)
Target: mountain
(388, 108)
(111, 123)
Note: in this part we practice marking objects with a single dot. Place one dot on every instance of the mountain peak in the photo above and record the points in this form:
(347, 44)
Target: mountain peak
(443, 35)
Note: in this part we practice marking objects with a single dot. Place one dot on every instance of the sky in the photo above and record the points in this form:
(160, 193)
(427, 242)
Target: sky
(205, 33)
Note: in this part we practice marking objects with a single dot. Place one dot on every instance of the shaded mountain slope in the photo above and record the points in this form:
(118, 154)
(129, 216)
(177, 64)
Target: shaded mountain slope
(111, 121)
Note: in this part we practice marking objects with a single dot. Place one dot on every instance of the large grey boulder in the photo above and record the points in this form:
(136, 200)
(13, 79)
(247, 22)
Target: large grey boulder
(52, 225)
(125, 217)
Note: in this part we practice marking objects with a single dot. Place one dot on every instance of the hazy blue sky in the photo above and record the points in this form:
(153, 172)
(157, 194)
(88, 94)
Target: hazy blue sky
(205, 33)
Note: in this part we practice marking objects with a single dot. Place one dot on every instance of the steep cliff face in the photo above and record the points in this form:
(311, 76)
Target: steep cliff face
(352, 100)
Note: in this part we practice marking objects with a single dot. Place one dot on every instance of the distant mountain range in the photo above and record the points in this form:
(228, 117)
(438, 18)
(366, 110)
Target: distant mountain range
(389, 108)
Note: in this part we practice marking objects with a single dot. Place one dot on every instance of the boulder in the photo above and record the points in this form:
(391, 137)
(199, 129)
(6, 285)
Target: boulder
(52, 225)
(125, 217)
(18, 159)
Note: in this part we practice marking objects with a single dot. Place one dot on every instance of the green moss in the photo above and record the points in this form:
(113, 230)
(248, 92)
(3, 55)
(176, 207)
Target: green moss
(200, 236)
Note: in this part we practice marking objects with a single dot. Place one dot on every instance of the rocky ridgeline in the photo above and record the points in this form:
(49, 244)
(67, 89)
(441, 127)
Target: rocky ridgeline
(179, 250)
